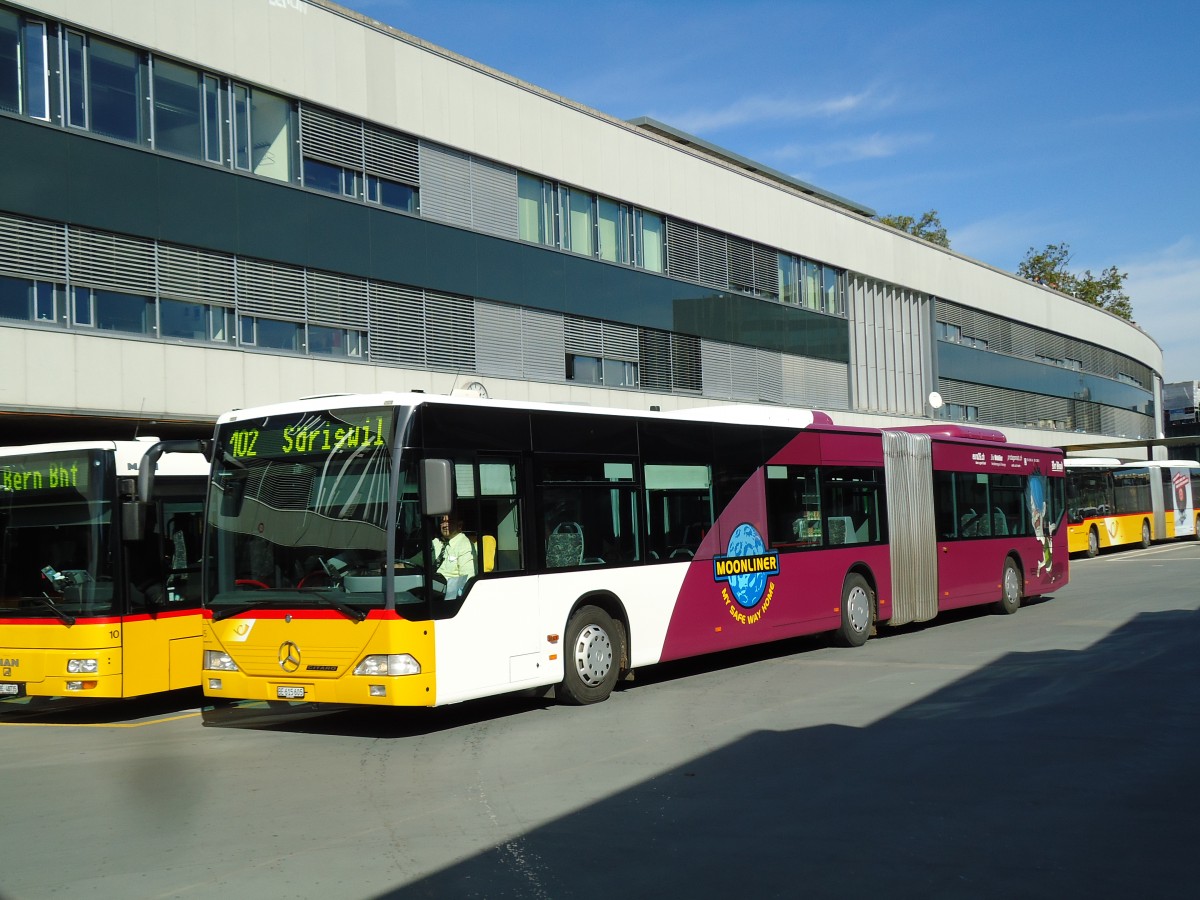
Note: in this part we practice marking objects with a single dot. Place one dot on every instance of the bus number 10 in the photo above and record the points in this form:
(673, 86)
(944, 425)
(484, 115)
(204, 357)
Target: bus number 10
(242, 442)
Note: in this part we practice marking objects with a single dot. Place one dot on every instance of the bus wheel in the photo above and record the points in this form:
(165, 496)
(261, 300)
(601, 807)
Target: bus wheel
(592, 657)
(1145, 534)
(1093, 549)
(858, 603)
(1010, 596)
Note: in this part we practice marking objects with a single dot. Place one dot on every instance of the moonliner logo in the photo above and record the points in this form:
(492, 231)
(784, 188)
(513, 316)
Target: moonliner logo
(746, 568)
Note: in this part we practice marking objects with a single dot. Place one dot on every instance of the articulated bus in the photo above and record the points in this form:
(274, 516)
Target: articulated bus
(1115, 504)
(600, 541)
(99, 595)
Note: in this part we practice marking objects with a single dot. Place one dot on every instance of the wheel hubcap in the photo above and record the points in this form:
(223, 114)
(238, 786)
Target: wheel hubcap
(1093, 541)
(593, 655)
(1012, 590)
(858, 609)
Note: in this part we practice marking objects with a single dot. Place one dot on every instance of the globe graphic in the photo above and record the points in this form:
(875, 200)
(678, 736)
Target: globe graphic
(747, 589)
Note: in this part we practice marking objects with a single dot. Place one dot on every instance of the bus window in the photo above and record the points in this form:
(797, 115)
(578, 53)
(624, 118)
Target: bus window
(679, 510)
(793, 507)
(590, 512)
(852, 501)
(1009, 510)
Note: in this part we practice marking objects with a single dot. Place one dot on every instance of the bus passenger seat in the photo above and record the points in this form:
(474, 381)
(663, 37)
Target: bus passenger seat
(487, 556)
(564, 546)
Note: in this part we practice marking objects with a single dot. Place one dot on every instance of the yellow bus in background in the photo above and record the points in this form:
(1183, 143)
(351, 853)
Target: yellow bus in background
(1114, 504)
(99, 593)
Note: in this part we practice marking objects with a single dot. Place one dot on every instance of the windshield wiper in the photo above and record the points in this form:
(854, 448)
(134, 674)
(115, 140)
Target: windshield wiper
(225, 612)
(350, 612)
(50, 605)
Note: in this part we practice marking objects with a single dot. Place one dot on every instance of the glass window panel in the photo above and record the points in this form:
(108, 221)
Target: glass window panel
(14, 298)
(322, 176)
(270, 130)
(650, 241)
(114, 94)
(532, 211)
(178, 319)
(10, 61)
(213, 131)
(579, 212)
(123, 312)
(218, 323)
(391, 194)
(82, 306)
(34, 73)
(279, 335)
(812, 284)
(832, 300)
(334, 341)
(585, 369)
(793, 507)
(76, 81)
(46, 302)
(789, 287)
(618, 373)
(241, 126)
(178, 127)
(246, 330)
(610, 215)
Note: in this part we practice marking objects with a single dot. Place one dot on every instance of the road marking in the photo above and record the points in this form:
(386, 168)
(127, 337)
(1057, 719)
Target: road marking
(98, 724)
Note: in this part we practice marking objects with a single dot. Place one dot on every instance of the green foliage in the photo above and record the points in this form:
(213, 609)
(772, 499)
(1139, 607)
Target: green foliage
(928, 228)
(1049, 267)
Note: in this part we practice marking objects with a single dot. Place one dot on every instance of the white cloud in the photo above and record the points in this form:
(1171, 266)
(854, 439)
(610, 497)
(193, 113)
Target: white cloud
(831, 153)
(1165, 289)
(756, 109)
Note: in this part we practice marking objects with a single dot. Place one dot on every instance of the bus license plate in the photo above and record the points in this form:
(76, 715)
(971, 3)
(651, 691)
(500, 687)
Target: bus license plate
(290, 693)
(10, 689)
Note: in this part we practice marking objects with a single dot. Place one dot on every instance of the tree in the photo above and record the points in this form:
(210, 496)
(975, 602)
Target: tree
(928, 228)
(1049, 267)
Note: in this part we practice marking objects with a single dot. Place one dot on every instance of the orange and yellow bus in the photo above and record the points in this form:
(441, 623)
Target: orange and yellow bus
(99, 593)
(1113, 504)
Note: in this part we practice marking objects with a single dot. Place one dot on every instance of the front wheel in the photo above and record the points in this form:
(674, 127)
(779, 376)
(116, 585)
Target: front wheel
(1010, 591)
(593, 657)
(1145, 535)
(858, 607)
(1093, 548)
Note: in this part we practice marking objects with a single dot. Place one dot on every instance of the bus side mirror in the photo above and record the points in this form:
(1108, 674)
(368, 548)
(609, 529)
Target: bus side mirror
(437, 487)
(133, 520)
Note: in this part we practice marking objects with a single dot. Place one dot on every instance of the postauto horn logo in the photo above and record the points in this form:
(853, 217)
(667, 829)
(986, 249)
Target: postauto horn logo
(746, 568)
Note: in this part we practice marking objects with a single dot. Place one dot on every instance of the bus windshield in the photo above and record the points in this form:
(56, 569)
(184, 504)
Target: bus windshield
(56, 554)
(298, 512)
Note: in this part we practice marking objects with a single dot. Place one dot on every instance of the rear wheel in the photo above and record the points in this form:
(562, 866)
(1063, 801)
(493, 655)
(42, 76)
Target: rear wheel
(1145, 534)
(1010, 589)
(593, 657)
(1093, 548)
(858, 606)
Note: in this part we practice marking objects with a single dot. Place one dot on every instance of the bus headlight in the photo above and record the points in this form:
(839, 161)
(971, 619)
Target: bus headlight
(82, 666)
(392, 664)
(219, 661)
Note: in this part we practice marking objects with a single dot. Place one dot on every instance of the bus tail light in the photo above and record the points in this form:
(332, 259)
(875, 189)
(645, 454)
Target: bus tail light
(390, 664)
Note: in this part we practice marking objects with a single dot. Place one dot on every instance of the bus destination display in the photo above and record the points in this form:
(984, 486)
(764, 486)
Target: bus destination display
(44, 473)
(281, 438)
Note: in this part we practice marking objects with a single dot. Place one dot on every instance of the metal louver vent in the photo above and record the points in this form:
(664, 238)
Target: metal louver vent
(398, 326)
(270, 289)
(544, 350)
(682, 251)
(331, 138)
(583, 336)
(445, 185)
(337, 300)
(712, 259)
(188, 273)
(654, 359)
(716, 369)
(112, 262)
(451, 340)
(766, 271)
(32, 249)
(619, 341)
(685, 363)
(499, 340)
(392, 155)
(741, 265)
(494, 198)
(770, 376)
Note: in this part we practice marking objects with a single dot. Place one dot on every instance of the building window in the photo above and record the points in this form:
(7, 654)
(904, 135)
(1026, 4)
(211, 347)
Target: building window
(112, 311)
(276, 335)
(331, 179)
(24, 73)
(947, 332)
(262, 132)
(612, 228)
(114, 90)
(958, 412)
(187, 321)
(575, 214)
(392, 194)
(25, 300)
(789, 283)
(649, 230)
(325, 341)
(597, 370)
(179, 119)
(246, 331)
(535, 210)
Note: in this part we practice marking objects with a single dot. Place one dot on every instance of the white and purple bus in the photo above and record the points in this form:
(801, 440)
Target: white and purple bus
(591, 541)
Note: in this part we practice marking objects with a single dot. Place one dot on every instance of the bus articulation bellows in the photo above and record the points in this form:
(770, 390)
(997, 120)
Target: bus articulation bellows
(99, 593)
(601, 540)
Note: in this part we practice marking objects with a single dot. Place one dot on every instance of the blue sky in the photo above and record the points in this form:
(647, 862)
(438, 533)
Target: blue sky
(1021, 123)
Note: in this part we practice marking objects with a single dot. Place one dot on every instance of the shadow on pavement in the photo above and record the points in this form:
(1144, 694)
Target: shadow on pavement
(1049, 774)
